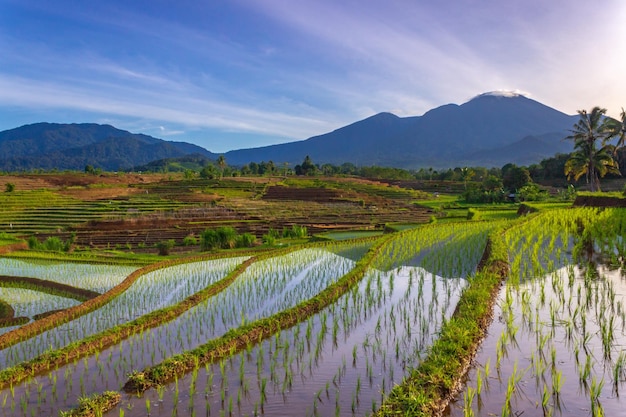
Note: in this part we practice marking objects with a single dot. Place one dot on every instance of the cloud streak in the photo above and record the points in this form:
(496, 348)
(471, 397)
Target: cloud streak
(274, 70)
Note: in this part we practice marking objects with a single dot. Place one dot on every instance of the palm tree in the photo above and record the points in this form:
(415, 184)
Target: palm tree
(466, 175)
(620, 130)
(590, 159)
(221, 162)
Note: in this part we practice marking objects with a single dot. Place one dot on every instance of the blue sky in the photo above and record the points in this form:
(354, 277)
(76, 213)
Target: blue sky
(245, 73)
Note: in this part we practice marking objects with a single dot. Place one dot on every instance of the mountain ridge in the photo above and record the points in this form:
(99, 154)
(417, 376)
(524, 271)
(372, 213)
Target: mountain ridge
(443, 137)
(491, 129)
(75, 145)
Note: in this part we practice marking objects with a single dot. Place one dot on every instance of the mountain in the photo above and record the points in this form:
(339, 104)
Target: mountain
(73, 146)
(492, 129)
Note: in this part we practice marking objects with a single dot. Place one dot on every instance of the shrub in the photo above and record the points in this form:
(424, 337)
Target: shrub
(209, 240)
(9, 187)
(296, 232)
(274, 233)
(52, 243)
(190, 240)
(246, 240)
(472, 214)
(227, 237)
(165, 246)
(221, 238)
(531, 192)
(269, 239)
(33, 243)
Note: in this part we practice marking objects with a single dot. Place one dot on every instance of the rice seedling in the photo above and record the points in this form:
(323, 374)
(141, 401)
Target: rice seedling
(567, 307)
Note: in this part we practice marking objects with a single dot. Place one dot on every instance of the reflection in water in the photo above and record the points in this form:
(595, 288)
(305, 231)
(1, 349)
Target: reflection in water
(555, 349)
(342, 361)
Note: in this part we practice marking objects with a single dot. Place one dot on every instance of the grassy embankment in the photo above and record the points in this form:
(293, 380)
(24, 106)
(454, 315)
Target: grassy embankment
(429, 387)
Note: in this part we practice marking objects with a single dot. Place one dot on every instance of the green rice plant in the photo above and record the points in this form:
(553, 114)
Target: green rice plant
(557, 382)
(468, 400)
(594, 392)
(619, 371)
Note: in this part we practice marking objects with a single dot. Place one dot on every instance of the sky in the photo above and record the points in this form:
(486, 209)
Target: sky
(246, 73)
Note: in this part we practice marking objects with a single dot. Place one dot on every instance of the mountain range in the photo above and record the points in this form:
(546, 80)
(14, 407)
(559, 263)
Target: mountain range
(492, 129)
(73, 146)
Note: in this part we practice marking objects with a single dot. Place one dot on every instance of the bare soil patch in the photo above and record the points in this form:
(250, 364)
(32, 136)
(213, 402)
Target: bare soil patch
(599, 201)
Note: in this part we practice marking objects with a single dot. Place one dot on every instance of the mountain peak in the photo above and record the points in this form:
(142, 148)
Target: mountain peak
(502, 93)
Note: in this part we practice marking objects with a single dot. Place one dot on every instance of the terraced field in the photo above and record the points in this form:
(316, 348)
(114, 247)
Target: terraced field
(115, 214)
(294, 314)
(381, 316)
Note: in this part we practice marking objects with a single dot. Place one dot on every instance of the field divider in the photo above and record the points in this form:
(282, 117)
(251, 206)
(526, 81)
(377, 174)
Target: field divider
(48, 287)
(252, 333)
(429, 388)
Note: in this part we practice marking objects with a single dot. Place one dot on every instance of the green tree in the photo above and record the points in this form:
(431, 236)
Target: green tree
(306, 168)
(165, 246)
(9, 187)
(514, 177)
(270, 167)
(492, 183)
(466, 175)
(592, 156)
(208, 172)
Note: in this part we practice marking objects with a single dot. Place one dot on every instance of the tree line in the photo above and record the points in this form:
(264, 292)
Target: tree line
(594, 157)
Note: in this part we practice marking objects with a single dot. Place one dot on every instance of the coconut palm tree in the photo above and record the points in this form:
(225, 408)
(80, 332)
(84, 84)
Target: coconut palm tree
(221, 162)
(592, 156)
(620, 130)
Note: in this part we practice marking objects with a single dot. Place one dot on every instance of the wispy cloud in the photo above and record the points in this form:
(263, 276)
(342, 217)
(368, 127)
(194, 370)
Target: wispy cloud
(280, 70)
(144, 104)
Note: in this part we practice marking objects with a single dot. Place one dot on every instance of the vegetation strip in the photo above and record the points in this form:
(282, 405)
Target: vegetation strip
(14, 321)
(49, 287)
(95, 405)
(32, 329)
(429, 387)
(237, 339)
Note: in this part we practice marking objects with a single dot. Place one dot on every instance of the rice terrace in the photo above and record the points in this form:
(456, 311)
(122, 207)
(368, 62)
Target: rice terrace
(127, 294)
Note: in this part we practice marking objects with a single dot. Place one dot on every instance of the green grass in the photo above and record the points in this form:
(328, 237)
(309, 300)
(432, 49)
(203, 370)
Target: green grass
(548, 205)
(440, 200)
(399, 227)
(351, 234)
(372, 189)
(95, 405)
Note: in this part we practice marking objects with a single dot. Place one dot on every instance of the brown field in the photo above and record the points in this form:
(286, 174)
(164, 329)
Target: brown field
(156, 207)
